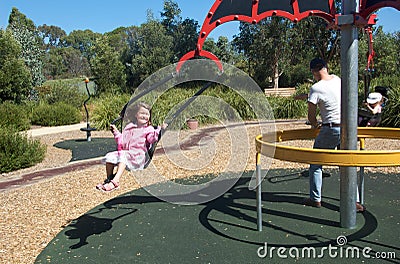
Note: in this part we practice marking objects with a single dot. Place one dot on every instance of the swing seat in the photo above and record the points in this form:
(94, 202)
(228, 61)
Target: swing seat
(151, 149)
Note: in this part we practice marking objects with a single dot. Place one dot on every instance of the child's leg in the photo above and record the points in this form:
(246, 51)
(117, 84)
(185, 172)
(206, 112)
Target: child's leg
(109, 169)
(109, 172)
(113, 182)
(120, 170)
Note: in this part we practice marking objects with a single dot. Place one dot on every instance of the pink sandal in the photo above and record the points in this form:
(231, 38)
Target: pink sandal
(108, 187)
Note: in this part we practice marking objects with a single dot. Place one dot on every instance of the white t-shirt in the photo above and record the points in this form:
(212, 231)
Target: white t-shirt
(326, 94)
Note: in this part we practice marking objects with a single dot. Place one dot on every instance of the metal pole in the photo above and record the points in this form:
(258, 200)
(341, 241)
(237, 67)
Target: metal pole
(88, 129)
(349, 111)
(259, 193)
(361, 180)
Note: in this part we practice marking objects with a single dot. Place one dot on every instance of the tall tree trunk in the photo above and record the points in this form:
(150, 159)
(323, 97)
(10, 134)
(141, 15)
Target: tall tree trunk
(276, 75)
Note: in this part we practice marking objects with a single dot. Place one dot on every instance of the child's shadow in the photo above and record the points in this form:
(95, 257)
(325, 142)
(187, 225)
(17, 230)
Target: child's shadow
(87, 225)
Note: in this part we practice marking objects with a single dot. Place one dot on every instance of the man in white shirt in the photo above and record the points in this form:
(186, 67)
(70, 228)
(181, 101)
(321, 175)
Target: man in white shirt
(326, 95)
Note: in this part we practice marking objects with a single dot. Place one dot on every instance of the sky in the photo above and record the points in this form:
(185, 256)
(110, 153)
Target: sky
(105, 16)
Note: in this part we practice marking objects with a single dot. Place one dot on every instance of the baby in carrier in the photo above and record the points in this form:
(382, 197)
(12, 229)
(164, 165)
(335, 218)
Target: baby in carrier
(373, 114)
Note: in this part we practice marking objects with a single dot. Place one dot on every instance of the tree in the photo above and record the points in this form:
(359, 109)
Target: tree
(385, 47)
(210, 46)
(151, 50)
(51, 36)
(17, 18)
(320, 41)
(171, 16)
(107, 69)
(82, 40)
(65, 63)
(15, 78)
(184, 33)
(267, 45)
(275, 50)
(185, 38)
(243, 43)
(54, 67)
(397, 41)
(24, 31)
(121, 41)
(222, 49)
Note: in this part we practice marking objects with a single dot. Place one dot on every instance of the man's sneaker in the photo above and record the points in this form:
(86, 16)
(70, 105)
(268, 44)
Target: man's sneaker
(360, 208)
(310, 202)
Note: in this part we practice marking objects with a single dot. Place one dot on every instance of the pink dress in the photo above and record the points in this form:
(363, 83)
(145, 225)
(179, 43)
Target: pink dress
(132, 143)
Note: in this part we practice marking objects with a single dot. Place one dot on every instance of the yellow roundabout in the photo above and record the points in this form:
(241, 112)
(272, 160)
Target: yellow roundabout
(266, 145)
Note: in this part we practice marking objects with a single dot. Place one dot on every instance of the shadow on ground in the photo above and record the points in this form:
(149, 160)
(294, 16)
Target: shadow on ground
(139, 228)
(83, 149)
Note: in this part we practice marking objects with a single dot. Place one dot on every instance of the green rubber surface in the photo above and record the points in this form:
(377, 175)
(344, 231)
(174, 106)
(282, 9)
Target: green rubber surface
(138, 228)
(83, 149)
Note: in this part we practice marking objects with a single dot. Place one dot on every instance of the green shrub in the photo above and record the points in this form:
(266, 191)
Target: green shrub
(286, 108)
(16, 116)
(17, 151)
(391, 115)
(389, 81)
(55, 115)
(63, 91)
(303, 88)
(235, 100)
(106, 109)
(168, 103)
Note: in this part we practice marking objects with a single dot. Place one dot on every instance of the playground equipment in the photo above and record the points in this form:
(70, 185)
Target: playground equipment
(355, 14)
(253, 11)
(88, 129)
(349, 158)
(266, 144)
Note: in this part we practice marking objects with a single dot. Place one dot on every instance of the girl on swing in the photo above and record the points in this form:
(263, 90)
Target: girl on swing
(132, 144)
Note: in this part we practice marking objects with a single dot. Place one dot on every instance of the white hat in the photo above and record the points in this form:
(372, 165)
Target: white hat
(374, 98)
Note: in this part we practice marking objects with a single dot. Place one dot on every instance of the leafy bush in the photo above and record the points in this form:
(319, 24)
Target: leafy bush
(235, 100)
(303, 88)
(294, 74)
(105, 109)
(63, 91)
(55, 115)
(12, 115)
(169, 101)
(389, 81)
(17, 151)
(391, 115)
(284, 108)
(166, 102)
